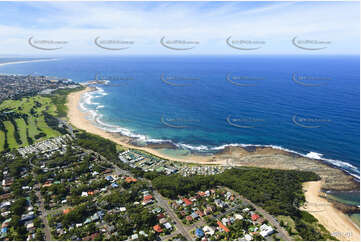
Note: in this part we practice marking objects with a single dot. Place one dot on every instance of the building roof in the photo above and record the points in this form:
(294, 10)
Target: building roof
(109, 178)
(167, 225)
(187, 201)
(130, 179)
(162, 220)
(202, 194)
(161, 215)
(91, 237)
(148, 197)
(199, 233)
(66, 211)
(255, 216)
(222, 226)
(194, 215)
(200, 213)
(157, 228)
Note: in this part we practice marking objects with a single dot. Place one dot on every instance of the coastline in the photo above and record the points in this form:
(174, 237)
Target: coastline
(258, 156)
(337, 223)
(332, 178)
(24, 62)
(78, 119)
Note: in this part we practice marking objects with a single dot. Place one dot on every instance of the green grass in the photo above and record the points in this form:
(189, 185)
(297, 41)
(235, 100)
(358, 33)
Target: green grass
(22, 131)
(12, 104)
(120, 148)
(2, 140)
(288, 223)
(45, 128)
(34, 108)
(32, 128)
(59, 100)
(27, 105)
(10, 134)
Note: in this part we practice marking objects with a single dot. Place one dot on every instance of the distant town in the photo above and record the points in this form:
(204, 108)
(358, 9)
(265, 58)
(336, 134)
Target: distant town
(14, 86)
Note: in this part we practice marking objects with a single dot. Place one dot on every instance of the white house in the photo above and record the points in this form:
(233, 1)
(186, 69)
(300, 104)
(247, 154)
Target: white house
(266, 230)
(238, 216)
(208, 230)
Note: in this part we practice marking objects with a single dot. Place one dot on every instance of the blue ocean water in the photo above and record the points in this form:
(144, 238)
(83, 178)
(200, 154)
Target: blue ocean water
(307, 104)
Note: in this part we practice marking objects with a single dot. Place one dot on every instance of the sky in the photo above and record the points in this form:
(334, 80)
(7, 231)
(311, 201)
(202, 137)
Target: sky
(72, 28)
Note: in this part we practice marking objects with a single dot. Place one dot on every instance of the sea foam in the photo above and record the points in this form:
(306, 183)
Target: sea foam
(97, 118)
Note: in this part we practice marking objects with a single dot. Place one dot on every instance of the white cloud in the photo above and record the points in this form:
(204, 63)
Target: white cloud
(79, 23)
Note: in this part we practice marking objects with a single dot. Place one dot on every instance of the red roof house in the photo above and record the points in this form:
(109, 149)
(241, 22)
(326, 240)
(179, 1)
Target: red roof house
(200, 213)
(130, 179)
(202, 194)
(161, 215)
(148, 197)
(187, 201)
(255, 216)
(157, 228)
(66, 211)
(222, 226)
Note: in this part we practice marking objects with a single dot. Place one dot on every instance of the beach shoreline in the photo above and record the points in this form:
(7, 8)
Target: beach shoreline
(337, 223)
(229, 155)
(78, 119)
(24, 62)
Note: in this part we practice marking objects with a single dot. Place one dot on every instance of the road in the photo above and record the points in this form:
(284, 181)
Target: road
(178, 223)
(43, 210)
(162, 202)
(184, 229)
(282, 232)
(43, 217)
(169, 236)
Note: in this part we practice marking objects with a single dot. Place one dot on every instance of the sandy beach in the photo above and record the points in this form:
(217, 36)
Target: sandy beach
(23, 62)
(336, 222)
(333, 178)
(78, 119)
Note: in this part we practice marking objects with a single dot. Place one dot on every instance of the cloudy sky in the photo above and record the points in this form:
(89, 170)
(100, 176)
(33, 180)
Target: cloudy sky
(264, 27)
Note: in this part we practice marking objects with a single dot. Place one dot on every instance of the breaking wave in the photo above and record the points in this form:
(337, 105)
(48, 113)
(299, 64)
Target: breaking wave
(95, 116)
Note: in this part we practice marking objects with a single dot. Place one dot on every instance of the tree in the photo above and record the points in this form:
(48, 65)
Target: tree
(18, 207)
(39, 235)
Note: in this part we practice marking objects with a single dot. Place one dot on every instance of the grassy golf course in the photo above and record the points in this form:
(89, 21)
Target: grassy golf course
(22, 122)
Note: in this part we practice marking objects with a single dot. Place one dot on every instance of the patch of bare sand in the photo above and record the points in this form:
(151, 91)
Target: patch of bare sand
(336, 222)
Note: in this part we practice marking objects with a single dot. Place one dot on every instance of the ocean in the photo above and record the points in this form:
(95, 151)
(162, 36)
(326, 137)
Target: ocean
(308, 104)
